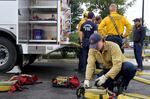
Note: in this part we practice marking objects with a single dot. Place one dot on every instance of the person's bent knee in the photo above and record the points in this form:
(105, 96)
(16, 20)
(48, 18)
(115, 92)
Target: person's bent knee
(129, 68)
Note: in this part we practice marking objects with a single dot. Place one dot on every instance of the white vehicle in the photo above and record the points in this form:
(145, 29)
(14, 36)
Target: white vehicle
(29, 28)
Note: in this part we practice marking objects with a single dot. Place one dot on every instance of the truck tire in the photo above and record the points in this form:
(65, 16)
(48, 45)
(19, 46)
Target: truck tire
(8, 55)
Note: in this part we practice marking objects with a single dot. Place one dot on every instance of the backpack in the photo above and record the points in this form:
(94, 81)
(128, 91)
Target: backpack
(68, 82)
(25, 79)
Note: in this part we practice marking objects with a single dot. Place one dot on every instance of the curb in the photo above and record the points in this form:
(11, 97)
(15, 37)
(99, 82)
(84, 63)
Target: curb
(72, 61)
(146, 67)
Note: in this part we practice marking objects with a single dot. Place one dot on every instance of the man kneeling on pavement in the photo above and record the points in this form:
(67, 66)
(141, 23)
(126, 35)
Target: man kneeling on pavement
(109, 55)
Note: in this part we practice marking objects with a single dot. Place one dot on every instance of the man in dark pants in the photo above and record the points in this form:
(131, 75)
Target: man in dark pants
(113, 26)
(127, 73)
(87, 29)
(113, 61)
(138, 38)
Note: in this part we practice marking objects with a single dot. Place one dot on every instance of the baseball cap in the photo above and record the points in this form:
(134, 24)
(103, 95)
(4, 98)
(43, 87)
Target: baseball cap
(94, 39)
(91, 15)
(137, 19)
(85, 13)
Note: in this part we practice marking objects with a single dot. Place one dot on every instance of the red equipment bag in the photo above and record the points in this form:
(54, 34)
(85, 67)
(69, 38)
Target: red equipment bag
(74, 82)
(25, 79)
(63, 81)
(16, 87)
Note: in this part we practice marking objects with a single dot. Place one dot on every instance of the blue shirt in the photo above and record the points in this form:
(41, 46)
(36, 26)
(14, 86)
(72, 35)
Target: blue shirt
(139, 34)
(88, 28)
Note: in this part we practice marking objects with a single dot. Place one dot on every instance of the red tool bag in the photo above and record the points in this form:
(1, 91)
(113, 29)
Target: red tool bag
(25, 79)
(74, 82)
(16, 87)
(63, 81)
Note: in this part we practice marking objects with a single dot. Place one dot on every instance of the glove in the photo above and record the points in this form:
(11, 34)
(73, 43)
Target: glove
(101, 80)
(86, 84)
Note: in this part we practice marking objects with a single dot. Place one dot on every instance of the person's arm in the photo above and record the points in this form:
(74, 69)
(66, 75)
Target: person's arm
(101, 28)
(128, 27)
(79, 26)
(116, 55)
(81, 35)
(81, 38)
(90, 65)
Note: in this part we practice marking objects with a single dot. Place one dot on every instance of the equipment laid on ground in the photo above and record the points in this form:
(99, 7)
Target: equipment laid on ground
(100, 93)
(25, 79)
(10, 86)
(6, 85)
(15, 83)
(142, 80)
(141, 73)
(68, 82)
(132, 96)
(94, 93)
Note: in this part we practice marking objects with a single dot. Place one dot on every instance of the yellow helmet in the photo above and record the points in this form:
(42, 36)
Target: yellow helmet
(85, 13)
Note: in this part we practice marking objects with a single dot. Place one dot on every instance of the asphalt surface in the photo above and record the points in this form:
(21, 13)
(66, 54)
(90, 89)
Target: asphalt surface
(46, 71)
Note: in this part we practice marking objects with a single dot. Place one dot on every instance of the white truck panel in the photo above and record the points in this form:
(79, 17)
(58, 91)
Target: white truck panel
(8, 12)
(25, 48)
(39, 49)
(9, 27)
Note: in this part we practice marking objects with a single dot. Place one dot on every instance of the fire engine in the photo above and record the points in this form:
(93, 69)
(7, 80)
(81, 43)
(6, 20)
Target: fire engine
(29, 28)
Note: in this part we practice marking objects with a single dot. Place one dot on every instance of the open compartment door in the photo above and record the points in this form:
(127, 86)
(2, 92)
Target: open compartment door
(65, 21)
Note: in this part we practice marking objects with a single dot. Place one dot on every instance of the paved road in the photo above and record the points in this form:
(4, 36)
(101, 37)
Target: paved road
(46, 71)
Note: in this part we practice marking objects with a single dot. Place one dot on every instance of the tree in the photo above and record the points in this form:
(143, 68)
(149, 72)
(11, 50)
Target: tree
(76, 12)
(102, 6)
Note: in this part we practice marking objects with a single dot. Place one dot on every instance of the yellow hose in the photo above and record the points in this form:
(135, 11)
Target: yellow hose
(4, 88)
(138, 73)
(142, 80)
(136, 96)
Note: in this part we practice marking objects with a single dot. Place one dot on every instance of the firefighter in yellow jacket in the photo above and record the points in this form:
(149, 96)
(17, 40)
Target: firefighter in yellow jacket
(113, 26)
(85, 15)
(114, 64)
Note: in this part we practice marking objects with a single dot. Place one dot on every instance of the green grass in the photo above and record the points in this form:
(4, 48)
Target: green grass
(147, 55)
(148, 47)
